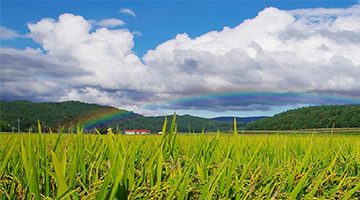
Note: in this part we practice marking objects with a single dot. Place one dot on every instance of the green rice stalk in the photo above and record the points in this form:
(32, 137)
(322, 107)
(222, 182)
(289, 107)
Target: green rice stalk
(351, 192)
(248, 164)
(119, 187)
(216, 177)
(30, 169)
(163, 133)
(184, 186)
(60, 168)
(7, 158)
(159, 170)
(258, 172)
(299, 168)
(57, 139)
(235, 127)
(131, 168)
(178, 182)
(339, 185)
(295, 192)
(81, 153)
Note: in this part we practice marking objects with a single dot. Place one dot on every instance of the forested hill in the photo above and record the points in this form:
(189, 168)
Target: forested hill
(70, 113)
(342, 116)
(238, 119)
(50, 114)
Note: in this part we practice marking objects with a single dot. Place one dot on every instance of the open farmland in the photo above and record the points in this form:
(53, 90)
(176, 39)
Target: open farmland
(172, 166)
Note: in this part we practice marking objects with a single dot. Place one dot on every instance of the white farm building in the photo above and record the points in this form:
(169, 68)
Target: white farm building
(137, 132)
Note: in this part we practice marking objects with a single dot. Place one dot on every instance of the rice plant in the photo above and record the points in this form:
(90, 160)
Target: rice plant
(179, 166)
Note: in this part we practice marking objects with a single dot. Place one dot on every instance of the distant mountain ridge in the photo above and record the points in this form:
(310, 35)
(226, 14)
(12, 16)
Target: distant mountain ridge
(238, 119)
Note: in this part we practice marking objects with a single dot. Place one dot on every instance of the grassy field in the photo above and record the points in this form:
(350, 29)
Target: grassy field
(172, 166)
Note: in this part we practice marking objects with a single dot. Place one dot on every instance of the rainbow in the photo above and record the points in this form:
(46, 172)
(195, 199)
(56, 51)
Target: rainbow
(249, 99)
(104, 117)
(220, 102)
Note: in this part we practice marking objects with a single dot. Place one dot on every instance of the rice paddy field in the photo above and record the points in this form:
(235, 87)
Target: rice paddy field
(179, 166)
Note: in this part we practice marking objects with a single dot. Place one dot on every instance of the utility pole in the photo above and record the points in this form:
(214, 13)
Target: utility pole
(18, 125)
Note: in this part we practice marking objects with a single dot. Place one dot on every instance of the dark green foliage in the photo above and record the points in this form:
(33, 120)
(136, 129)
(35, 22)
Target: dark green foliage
(245, 120)
(71, 113)
(342, 116)
(185, 124)
(49, 114)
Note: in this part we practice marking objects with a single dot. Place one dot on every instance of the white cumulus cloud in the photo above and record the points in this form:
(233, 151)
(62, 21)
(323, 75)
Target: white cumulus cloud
(7, 34)
(105, 54)
(296, 51)
(127, 11)
(275, 51)
(76, 60)
(110, 22)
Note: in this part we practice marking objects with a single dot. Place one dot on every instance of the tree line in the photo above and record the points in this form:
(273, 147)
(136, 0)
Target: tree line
(55, 115)
(341, 116)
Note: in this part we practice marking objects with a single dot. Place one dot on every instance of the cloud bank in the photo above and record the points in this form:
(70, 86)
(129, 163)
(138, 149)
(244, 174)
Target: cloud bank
(305, 51)
(7, 34)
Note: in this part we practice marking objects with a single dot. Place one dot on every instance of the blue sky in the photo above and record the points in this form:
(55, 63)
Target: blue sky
(157, 21)
(159, 54)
